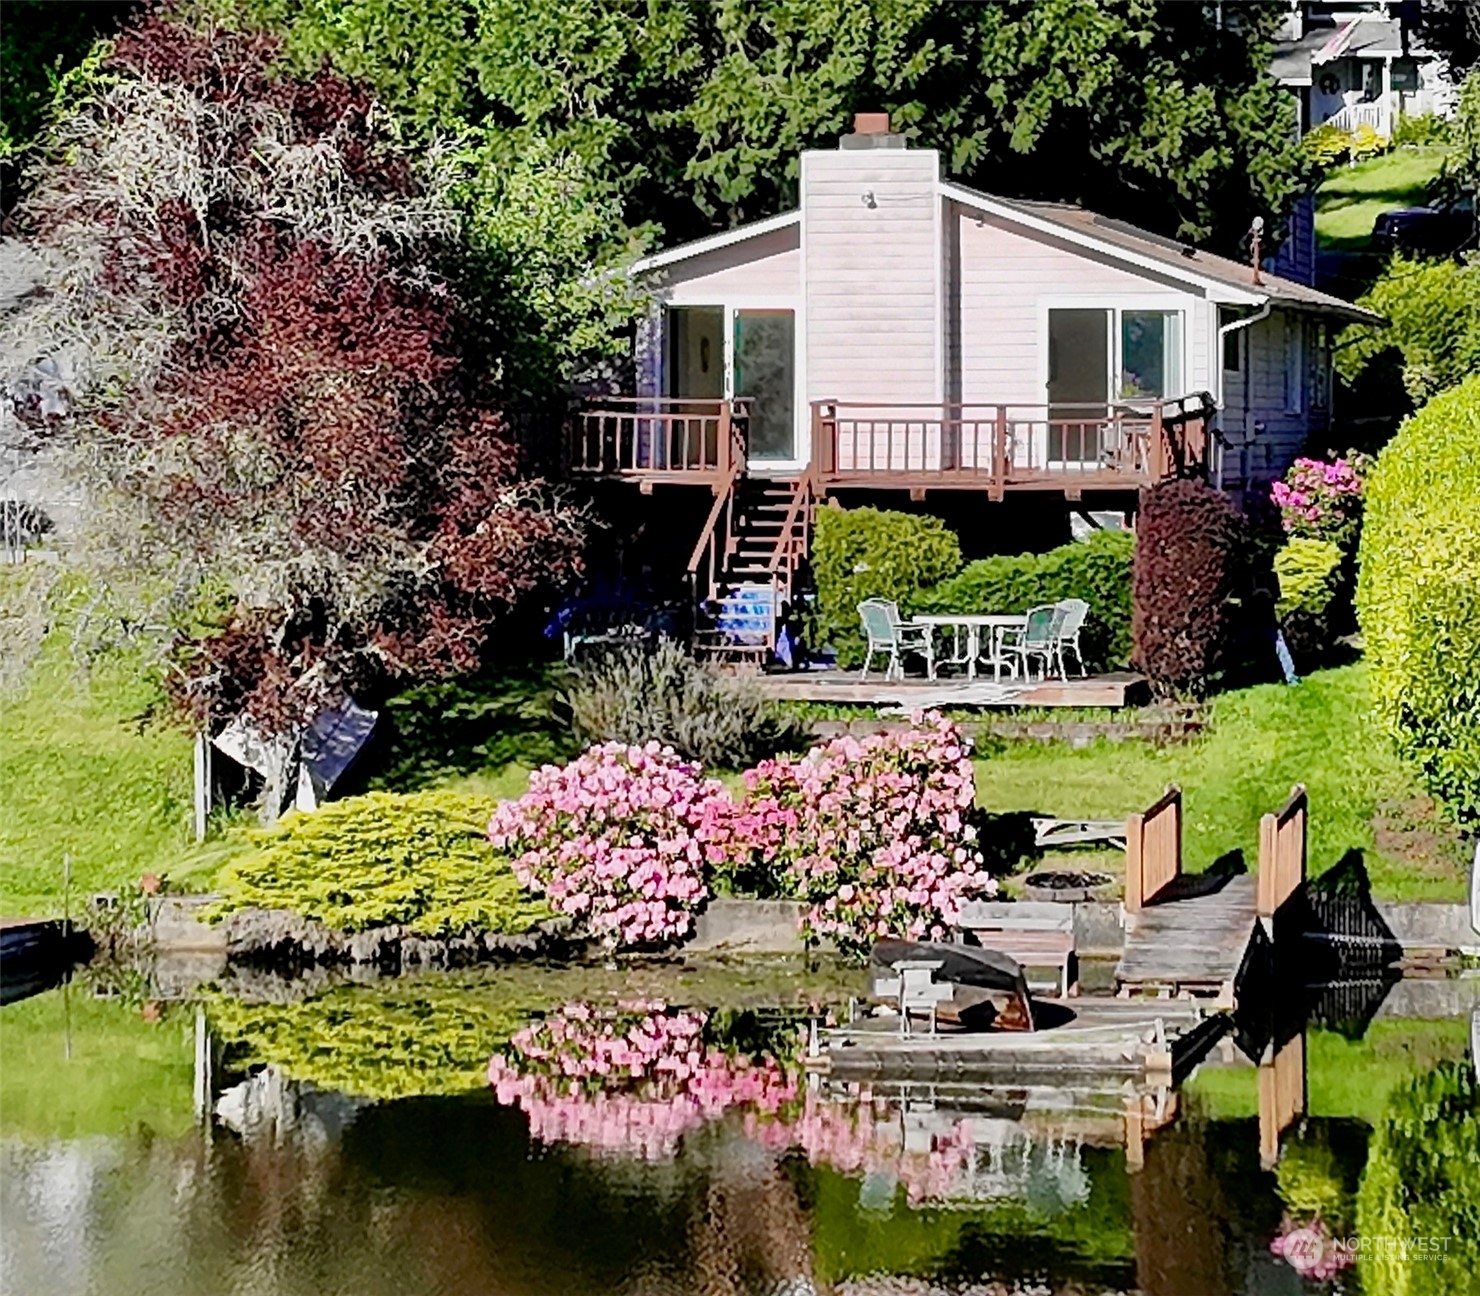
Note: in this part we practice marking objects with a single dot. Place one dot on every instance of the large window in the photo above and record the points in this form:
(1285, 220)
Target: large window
(1150, 354)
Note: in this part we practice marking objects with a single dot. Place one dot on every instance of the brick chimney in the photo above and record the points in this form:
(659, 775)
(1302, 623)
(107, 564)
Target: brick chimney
(871, 131)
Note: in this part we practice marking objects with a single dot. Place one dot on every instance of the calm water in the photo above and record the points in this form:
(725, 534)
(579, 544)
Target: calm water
(651, 1132)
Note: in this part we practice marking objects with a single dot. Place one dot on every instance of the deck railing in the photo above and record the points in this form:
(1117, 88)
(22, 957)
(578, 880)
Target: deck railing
(1153, 845)
(672, 438)
(1282, 839)
(1057, 447)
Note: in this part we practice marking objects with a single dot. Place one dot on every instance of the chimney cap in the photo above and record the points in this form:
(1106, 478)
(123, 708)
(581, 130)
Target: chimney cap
(871, 123)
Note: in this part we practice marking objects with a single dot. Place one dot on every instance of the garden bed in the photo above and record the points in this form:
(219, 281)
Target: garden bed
(1161, 726)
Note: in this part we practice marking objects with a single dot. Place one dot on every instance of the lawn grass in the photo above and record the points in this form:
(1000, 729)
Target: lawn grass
(1262, 741)
(1351, 198)
(83, 778)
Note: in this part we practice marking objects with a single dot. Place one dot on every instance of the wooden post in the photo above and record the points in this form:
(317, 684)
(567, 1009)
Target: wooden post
(999, 451)
(1153, 850)
(724, 450)
(1281, 1097)
(202, 784)
(1282, 853)
(1159, 451)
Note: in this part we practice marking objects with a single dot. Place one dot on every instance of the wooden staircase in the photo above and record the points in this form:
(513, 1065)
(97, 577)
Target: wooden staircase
(747, 563)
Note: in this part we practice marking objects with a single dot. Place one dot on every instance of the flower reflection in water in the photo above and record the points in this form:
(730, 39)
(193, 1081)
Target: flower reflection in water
(635, 1081)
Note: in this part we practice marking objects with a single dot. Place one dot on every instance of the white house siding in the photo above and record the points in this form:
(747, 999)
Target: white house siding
(871, 249)
(1004, 282)
(765, 270)
(1279, 399)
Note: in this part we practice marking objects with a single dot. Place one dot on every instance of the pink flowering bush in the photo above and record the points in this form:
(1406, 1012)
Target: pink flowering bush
(1322, 500)
(1311, 1250)
(631, 1081)
(616, 840)
(874, 834)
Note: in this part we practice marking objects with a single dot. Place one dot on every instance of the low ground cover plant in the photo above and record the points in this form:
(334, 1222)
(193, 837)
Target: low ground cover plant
(639, 694)
(419, 859)
(1418, 593)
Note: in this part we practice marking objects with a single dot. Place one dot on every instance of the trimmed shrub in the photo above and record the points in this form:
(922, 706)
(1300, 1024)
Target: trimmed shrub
(1185, 581)
(618, 840)
(1418, 592)
(637, 694)
(421, 860)
(873, 553)
(1097, 570)
(1309, 573)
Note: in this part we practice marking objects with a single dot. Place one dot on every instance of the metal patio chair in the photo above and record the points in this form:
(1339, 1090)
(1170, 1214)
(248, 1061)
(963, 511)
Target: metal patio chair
(886, 633)
(1038, 638)
(1074, 610)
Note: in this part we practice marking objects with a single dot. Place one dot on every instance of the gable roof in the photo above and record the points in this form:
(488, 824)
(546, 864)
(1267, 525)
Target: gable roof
(1222, 280)
(1229, 281)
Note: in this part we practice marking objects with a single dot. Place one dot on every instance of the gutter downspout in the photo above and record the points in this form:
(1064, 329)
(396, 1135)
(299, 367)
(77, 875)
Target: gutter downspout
(1224, 331)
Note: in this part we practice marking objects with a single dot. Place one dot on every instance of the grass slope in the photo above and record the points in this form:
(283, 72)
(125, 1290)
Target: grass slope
(80, 776)
(1351, 198)
(1263, 740)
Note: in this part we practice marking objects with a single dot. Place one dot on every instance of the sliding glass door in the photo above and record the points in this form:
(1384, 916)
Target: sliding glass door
(766, 374)
(1100, 357)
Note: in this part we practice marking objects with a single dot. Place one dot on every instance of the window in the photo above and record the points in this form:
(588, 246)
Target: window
(1150, 354)
(1294, 364)
(1233, 343)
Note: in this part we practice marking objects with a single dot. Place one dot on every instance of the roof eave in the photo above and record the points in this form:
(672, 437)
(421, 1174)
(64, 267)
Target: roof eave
(715, 242)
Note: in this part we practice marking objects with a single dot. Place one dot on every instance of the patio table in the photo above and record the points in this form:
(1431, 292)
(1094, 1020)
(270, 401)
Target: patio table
(997, 624)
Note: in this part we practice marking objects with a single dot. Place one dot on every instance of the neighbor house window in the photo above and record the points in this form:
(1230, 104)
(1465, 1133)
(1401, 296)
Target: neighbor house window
(1150, 354)
(1233, 343)
(1294, 364)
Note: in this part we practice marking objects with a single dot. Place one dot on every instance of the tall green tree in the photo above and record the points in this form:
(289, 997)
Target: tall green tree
(592, 128)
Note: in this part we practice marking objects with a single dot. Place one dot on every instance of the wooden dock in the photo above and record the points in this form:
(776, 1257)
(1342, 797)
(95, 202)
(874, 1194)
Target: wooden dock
(1192, 940)
(1096, 1037)
(1118, 689)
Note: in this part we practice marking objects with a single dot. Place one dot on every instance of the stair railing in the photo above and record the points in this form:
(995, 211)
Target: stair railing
(791, 542)
(715, 538)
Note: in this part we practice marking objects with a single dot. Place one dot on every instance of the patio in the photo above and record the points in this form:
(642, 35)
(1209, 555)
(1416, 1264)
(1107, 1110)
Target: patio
(1114, 689)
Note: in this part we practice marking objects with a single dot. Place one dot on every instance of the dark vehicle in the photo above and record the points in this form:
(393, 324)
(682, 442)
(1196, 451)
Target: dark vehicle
(1425, 231)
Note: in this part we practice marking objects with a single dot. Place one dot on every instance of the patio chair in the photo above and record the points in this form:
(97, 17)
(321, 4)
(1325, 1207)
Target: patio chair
(1039, 638)
(886, 633)
(1074, 610)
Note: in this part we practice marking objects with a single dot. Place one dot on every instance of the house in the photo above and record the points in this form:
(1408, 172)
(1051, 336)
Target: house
(1359, 63)
(904, 340)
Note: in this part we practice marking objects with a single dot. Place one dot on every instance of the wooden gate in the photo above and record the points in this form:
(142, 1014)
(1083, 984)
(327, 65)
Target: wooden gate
(1153, 850)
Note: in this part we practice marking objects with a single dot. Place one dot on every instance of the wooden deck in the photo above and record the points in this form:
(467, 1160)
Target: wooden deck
(1104, 1037)
(1192, 940)
(1119, 689)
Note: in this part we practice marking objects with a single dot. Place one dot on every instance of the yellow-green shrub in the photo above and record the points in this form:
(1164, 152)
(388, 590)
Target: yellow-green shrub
(421, 859)
(1418, 592)
(1309, 573)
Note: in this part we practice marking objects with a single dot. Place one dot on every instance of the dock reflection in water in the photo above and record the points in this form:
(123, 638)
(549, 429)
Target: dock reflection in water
(639, 1147)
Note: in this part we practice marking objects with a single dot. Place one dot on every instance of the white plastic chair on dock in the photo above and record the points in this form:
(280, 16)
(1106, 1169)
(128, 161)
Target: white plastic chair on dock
(915, 988)
(886, 633)
(1074, 610)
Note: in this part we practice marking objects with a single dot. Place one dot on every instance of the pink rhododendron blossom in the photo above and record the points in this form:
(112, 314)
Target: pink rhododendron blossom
(617, 839)
(870, 832)
(1322, 500)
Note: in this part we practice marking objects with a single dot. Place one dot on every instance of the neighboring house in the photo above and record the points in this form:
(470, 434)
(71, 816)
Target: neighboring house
(900, 337)
(1359, 64)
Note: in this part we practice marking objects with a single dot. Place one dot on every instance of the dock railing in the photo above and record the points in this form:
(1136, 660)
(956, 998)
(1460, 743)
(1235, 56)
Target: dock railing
(1282, 852)
(1153, 850)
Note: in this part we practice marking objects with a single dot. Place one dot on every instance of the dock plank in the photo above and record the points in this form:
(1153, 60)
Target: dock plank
(1197, 941)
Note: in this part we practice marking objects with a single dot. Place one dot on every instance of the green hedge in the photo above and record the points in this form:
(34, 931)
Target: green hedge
(1098, 570)
(1309, 573)
(420, 859)
(1418, 592)
(873, 553)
